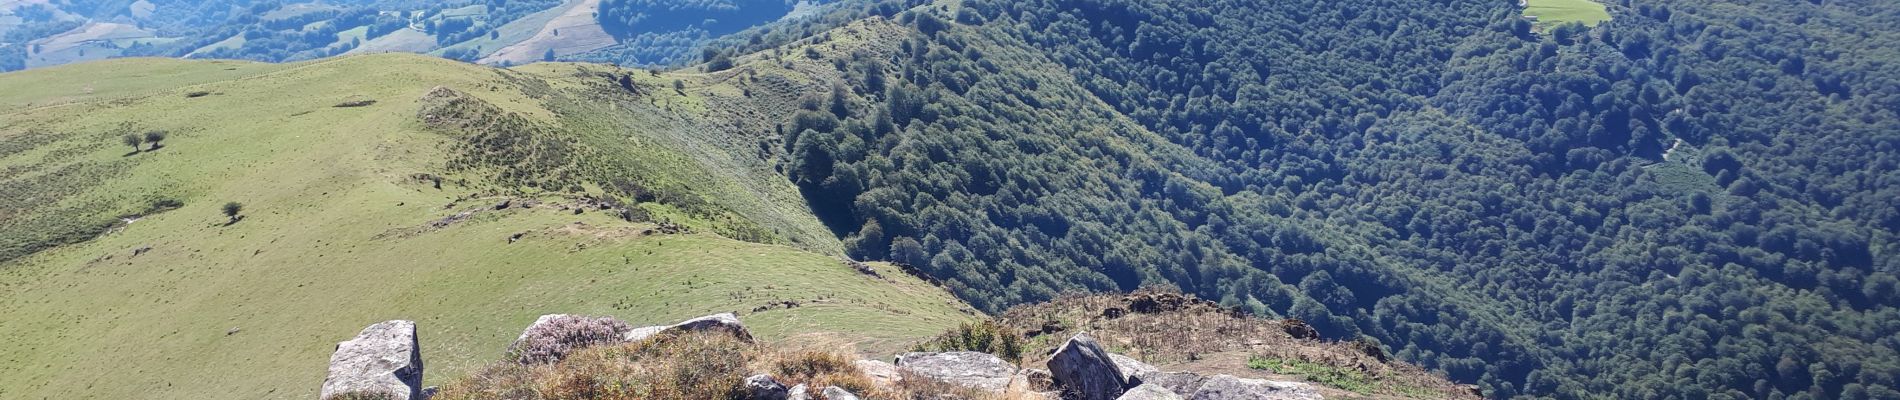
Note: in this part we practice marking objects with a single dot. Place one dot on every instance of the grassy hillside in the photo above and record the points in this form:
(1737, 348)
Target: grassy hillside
(343, 225)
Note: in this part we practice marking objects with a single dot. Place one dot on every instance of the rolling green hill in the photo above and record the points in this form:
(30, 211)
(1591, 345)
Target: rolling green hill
(342, 223)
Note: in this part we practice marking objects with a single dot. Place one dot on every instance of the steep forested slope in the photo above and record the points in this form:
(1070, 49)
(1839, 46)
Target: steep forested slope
(1693, 199)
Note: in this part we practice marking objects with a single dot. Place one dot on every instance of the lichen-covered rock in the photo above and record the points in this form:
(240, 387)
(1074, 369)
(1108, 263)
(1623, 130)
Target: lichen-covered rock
(1086, 372)
(384, 359)
(551, 337)
(884, 375)
(764, 387)
(1150, 392)
(1178, 382)
(799, 392)
(720, 322)
(970, 369)
(1228, 387)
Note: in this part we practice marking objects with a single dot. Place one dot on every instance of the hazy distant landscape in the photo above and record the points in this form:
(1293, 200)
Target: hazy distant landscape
(505, 32)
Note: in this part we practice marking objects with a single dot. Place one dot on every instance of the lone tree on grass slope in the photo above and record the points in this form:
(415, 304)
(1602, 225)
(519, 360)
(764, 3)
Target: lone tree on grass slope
(132, 140)
(231, 210)
(154, 137)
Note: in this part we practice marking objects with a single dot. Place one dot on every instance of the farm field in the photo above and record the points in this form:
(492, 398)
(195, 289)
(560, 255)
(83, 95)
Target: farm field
(1552, 12)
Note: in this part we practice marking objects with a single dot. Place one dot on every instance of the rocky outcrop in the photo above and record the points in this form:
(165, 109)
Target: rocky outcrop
(1086, 372)
(1162, 302)
(1370, 349)
(1150, 392)
(970, 369)
(764, 387)
(384, 359)
(1299, 329)
(720, 322)
(1228, 387)
(884, 375)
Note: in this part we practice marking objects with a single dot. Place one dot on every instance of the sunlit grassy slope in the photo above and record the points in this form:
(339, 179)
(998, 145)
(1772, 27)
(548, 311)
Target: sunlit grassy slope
(337, 231)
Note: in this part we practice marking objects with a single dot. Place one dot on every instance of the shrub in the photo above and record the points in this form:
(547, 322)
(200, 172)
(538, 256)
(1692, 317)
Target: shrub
(986, 336)
(232, 209)
(553, 341)
(154, 137)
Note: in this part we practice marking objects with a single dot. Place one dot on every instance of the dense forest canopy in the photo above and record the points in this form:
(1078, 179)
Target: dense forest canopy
(1692, 200)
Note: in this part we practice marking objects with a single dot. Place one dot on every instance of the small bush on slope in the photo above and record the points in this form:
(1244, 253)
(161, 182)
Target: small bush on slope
(986, 336)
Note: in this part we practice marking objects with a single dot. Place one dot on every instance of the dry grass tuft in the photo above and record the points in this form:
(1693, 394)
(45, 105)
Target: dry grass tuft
(818, 369)
(688, 366)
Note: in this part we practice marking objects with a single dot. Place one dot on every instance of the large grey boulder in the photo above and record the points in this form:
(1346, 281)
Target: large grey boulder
(969, 369)
(799, 392)
(1149, 392)
(764, 387)
(1132, 370)
(1086, 372)
(1228, 387)
(721, 322)
(838, 393)
(383, 359)
(884, 375)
